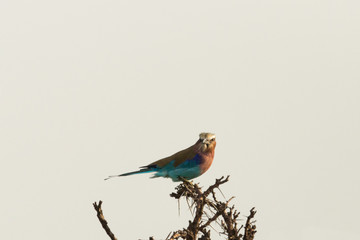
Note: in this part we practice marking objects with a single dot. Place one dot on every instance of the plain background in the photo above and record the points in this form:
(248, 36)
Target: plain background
(94, 88)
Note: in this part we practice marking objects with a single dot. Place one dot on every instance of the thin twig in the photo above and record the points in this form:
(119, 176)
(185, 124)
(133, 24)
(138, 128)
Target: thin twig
(250, 228)
(102, 220)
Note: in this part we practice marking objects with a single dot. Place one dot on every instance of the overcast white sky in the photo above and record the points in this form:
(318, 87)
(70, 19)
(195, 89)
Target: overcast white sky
(94, 88)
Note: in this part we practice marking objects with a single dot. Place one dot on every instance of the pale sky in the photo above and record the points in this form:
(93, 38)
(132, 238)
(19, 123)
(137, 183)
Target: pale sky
(95, 88)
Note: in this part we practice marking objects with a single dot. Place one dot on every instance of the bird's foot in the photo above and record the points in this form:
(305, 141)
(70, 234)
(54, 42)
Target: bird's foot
(185, 180)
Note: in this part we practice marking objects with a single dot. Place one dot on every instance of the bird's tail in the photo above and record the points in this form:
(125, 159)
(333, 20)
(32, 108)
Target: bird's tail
(146, 170)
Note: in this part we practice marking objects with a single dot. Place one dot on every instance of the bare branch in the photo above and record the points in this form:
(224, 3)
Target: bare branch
(102, 220)
(208, 210)
(250, 228)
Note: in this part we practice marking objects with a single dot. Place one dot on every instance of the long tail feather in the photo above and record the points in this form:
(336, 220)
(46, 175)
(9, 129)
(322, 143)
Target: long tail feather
(131, 173)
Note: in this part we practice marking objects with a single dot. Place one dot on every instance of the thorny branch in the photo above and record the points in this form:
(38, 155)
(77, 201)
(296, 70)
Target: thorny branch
(207, 210)
(219, 211)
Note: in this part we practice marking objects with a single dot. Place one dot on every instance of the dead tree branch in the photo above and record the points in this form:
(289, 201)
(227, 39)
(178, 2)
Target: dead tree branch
(207, 209)
(218, 211)
(250, 228)
(102, 220)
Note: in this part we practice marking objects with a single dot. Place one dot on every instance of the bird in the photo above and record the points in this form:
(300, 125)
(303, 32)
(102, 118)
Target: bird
(186, 164)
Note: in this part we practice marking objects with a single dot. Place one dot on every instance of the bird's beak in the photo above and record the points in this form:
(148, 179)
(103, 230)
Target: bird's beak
(205, 141)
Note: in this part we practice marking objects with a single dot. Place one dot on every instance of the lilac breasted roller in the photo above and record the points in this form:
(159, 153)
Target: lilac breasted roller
(188, 163)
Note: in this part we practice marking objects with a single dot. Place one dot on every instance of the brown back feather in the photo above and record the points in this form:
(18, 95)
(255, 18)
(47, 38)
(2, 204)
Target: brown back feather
(178, 157)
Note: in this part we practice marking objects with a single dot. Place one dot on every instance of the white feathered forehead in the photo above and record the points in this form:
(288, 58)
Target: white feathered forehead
(208, 136)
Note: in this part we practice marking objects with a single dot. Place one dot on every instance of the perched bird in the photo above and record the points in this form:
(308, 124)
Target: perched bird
(187, 164)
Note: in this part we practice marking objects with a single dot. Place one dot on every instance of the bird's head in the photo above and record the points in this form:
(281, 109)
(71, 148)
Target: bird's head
(207, 142)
